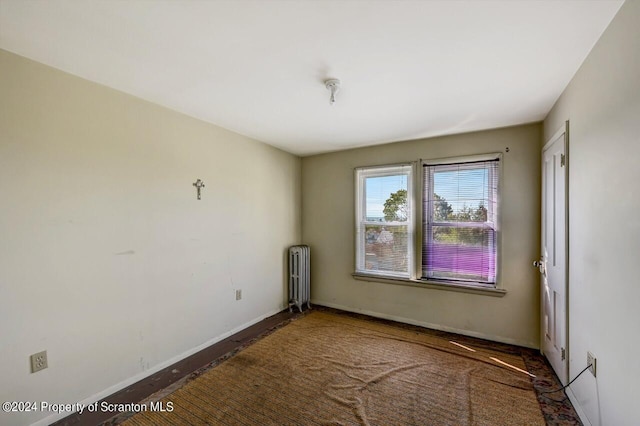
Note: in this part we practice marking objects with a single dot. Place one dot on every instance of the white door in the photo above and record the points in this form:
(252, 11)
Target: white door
(553, 260)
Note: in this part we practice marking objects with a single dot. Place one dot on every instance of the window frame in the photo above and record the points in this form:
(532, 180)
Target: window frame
(361, 174)
(454, 163)
(416, 227)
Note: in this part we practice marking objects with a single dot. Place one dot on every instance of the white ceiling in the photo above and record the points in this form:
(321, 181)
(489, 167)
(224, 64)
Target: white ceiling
(409, 69)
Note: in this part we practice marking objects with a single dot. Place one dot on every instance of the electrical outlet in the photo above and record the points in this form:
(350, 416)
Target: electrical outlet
(238, 294)
(591, 362)
(38, 361)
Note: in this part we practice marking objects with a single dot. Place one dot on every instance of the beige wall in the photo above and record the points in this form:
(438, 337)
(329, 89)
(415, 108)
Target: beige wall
(328, 227)
(107, 260)
(602, 103)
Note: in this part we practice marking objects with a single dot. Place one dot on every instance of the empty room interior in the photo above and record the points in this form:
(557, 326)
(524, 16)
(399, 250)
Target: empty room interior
(179, 180)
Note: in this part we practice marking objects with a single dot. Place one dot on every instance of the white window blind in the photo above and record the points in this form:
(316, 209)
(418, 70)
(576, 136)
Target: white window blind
(460, 212)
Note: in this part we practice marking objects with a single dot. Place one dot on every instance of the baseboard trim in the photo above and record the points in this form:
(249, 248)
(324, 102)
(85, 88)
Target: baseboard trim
(426, 324)
(130, 381)
(576, 405)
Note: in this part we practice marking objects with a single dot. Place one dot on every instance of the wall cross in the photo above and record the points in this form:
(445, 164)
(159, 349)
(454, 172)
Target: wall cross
(199, 185)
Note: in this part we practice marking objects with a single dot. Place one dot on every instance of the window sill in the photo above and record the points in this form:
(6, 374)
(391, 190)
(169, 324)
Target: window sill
(485, 291)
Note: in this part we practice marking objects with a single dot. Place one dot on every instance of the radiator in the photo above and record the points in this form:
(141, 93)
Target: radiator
(299, 277)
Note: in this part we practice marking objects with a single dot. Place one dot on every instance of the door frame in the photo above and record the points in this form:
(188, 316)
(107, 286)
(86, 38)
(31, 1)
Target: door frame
(563, 129)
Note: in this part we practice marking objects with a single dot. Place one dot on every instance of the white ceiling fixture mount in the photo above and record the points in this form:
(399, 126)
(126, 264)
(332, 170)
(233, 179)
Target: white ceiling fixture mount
(333, 85)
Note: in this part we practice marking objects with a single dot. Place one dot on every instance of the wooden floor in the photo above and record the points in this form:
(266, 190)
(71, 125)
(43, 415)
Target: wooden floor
(163, 378)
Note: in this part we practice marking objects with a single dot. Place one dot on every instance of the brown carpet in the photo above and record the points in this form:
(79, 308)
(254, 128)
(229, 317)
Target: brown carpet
(328, 369)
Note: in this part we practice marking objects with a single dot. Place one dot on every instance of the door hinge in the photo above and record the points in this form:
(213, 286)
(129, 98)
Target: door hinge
(562, 160)
(563, 354)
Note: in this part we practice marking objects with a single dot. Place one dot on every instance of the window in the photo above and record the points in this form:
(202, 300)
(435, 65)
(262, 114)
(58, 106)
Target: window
(455, 233)
(384, 221)
(460, 221)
